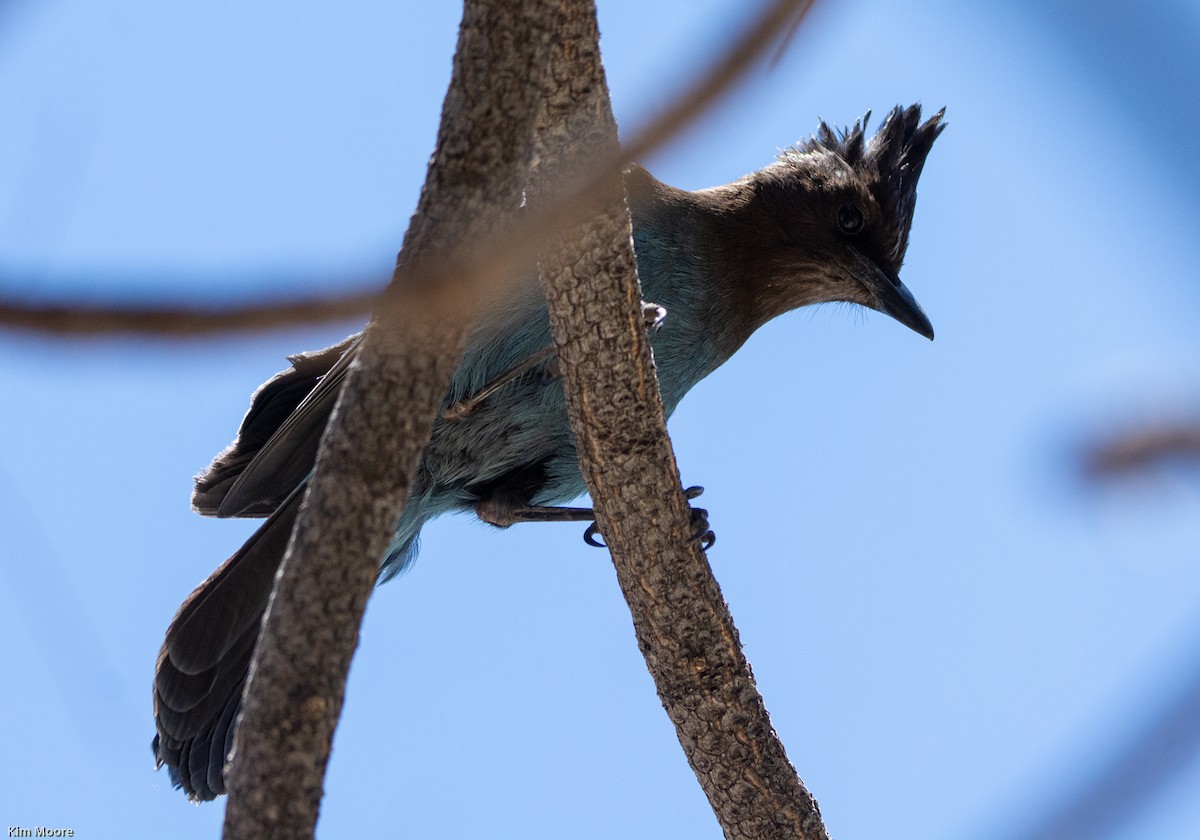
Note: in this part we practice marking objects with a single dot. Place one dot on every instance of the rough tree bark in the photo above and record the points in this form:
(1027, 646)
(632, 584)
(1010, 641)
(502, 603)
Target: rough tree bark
(385, 412)
(381, 427)
(681, 621)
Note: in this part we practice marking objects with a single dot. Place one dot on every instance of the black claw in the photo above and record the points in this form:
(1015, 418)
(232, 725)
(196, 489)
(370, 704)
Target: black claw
(589, 536)
(700, 530)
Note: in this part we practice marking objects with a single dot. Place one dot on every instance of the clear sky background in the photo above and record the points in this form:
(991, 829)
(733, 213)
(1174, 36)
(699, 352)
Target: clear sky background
(949, 627)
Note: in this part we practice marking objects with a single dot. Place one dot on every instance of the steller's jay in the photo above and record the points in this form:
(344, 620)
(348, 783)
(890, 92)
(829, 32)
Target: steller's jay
(827, 221)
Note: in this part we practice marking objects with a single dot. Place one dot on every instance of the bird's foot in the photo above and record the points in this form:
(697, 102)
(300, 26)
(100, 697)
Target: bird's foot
(700, 532)
(589, 536)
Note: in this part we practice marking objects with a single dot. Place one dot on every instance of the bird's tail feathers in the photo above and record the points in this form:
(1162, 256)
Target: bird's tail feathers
(203, 662)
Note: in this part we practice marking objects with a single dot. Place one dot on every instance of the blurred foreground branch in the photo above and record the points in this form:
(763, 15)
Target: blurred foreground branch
(1134, 774)
(79, 319)
(499, 256)
(1142, 449)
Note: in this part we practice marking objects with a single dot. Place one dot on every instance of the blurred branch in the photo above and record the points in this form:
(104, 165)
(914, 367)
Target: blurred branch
(81, 319)
(1129, 780)
(785, 42)
(1142, 450)
(503, 254)
(774, 17)
(1168, 741)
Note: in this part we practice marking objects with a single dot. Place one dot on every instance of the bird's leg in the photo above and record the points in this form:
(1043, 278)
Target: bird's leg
(503, 509)
(495, 511)
(653, 316)
(700, 530)
(463, 408)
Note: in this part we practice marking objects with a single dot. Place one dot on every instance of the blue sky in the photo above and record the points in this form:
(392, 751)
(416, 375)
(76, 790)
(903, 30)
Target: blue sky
(949, 629)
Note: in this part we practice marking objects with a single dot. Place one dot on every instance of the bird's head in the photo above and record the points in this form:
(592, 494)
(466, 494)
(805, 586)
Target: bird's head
(829, 220)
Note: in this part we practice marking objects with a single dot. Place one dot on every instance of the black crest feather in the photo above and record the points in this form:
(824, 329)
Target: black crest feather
(889, 164)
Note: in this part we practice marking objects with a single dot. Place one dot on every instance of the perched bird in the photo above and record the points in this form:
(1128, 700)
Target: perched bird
(827, 221)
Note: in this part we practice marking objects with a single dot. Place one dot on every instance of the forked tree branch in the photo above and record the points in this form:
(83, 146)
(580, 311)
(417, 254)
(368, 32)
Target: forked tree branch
(681, 621)
(381, 428)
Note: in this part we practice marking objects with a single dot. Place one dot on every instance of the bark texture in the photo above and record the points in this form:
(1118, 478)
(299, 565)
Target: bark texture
(381, 427)
(681, 621)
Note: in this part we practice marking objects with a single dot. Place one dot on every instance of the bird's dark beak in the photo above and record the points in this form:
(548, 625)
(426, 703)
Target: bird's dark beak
(891, 296)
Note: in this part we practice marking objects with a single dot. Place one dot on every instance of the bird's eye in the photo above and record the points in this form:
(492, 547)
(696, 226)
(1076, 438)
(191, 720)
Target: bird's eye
(849, 219)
